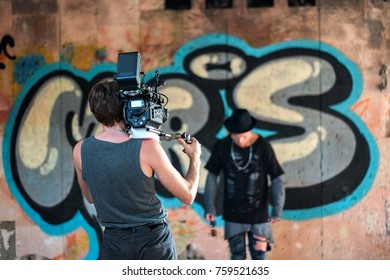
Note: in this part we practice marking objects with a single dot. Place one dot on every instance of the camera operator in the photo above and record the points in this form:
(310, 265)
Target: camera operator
(116, 173)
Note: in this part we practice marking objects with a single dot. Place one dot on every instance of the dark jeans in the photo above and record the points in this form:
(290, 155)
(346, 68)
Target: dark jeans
(142, 243)
(237, 245)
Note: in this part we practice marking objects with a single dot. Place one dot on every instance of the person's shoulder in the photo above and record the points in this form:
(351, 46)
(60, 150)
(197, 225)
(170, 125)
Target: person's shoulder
(261, 139)
(151, 151)
(225, 139)
(263, 143)
(84, 142)
(222, 141)
(220, 145)
(77, 148)
(78, 144)
(149, 144)
(147, 141)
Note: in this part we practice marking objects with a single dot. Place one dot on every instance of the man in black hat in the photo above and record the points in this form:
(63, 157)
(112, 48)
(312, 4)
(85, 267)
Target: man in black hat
(248, 163)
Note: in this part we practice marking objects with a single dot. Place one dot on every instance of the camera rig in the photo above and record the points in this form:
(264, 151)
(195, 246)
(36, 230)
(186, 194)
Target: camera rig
(143, 106)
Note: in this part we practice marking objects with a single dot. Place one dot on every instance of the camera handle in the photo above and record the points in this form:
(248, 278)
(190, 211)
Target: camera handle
(167, 136)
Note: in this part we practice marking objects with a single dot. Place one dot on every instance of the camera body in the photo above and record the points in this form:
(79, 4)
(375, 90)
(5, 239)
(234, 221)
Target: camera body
(143, 105)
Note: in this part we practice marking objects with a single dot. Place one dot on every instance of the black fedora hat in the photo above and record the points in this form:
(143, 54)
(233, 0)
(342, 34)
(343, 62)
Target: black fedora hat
(240, 121)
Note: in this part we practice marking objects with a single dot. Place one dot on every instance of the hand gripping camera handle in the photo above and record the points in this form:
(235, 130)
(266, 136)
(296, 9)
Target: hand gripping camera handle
(184, 136)
(167, 136)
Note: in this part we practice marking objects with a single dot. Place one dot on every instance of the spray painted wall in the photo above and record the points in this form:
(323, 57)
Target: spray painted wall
(314, 77)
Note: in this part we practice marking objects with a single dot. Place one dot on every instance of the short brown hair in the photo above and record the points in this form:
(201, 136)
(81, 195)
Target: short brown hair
(105, 103)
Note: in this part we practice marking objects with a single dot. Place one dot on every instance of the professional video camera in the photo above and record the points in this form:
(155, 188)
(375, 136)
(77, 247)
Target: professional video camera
(143, 106)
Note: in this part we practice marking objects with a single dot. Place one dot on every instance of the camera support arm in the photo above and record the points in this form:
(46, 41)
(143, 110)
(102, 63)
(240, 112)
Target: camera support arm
(167, 136)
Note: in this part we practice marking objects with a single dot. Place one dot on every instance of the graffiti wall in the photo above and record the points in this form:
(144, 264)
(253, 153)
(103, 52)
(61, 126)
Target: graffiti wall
(312, 73)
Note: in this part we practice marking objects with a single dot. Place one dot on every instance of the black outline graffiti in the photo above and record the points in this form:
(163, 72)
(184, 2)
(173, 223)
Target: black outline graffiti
(331, 190)
(7, 40)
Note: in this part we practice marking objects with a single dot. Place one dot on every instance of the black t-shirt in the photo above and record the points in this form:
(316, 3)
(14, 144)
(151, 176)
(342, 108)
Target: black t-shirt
(246, 174)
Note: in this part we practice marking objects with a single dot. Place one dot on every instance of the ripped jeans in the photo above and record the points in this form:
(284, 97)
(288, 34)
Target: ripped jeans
(237, 245)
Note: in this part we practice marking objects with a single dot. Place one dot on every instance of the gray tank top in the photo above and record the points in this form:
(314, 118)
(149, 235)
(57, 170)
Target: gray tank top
(123, 196)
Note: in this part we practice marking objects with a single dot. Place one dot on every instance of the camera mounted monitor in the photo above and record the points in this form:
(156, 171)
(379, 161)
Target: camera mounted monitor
(128, 74)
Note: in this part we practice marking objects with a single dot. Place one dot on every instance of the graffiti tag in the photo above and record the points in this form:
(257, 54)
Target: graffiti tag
(6, 41)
